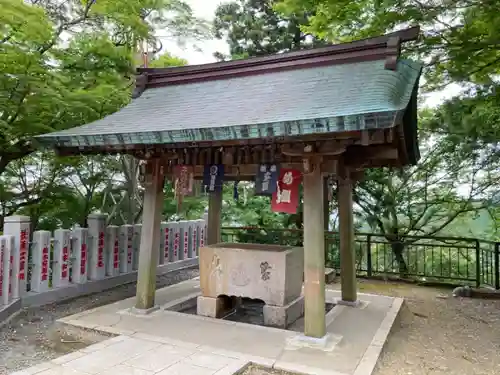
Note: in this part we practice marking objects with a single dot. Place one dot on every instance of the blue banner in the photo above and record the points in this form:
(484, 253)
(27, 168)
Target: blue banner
(236, 194)
(266, 179)
(213, 177)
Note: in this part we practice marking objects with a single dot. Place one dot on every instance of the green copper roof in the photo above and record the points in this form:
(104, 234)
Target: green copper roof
(328, 99)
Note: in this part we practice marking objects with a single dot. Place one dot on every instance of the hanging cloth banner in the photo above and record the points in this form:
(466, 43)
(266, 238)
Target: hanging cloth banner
(213, 177)
(286, 197)
(183, 180)
(236, 194)
(331, 187)
(266, 179)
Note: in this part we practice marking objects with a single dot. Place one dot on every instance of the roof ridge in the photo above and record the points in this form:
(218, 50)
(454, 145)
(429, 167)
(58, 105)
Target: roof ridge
(381, 47)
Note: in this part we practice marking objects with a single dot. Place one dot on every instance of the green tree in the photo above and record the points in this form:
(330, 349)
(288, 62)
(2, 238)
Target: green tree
(253, 28)
(424, 200)
(456, 175)
(459, 44)
(460, 37)
(32, 180)
(64, 64)
(167, 60)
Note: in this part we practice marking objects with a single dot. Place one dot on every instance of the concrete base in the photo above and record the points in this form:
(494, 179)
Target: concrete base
(283, 316)
(363, 334)
(348, 303)
(356, 303)
(325, 343)
(216, 307)
(136, 311)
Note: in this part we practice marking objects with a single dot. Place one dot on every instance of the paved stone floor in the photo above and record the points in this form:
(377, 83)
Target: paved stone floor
(168, 342)
(139, 355)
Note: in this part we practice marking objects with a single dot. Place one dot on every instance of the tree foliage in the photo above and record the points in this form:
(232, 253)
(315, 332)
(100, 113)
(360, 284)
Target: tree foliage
(460, 37)
(64, 64)
(67, 63)
(253, 28)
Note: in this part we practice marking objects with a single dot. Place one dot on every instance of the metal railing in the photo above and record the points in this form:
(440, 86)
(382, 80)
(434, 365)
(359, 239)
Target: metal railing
(440, 259)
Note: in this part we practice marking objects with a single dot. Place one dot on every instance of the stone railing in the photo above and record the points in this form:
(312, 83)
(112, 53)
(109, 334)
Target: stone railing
(51, 267)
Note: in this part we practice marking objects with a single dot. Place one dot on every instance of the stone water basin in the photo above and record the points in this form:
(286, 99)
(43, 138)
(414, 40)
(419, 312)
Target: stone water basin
(270, 273)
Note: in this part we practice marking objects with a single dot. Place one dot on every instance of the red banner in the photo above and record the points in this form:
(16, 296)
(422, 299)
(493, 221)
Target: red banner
(23, 254)
(183, 179)
(100, 250)
(45, 264)
(83, 264)
(286, 197)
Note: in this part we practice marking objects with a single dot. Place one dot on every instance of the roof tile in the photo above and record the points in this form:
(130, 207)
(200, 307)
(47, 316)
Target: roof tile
(244, 107)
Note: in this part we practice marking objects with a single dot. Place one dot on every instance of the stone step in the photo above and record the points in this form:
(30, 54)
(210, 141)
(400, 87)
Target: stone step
(330, 275)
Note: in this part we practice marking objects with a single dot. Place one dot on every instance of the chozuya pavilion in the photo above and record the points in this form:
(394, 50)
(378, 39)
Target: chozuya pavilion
(330, 111)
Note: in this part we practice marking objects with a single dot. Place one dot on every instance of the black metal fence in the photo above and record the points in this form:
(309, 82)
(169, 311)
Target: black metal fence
(433, 259)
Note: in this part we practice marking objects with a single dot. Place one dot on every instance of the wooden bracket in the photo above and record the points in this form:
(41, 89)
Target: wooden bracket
(393, 52)
(330, 148)
(228, 156)
(311, 162)
(151, 170)
(141, 82)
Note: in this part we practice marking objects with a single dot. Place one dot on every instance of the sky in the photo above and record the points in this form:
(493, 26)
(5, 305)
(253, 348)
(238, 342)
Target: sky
(202, 9)
(206, 9)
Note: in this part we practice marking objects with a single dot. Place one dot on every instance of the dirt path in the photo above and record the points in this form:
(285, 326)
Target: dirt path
(32, 337)
(438, 334)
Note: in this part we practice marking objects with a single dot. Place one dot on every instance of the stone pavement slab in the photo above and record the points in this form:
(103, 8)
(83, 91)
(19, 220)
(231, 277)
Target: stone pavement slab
(168, 342)
(124, 355)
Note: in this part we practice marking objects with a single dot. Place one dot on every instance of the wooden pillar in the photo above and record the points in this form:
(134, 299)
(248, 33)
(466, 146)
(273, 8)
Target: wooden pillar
(326, 217)
(214, 218)
(346, 228)
(154, 180)
(314, 255)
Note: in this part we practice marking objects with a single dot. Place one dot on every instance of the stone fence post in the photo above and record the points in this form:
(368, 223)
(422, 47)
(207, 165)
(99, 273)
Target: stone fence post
(80, 255)
(97, 243)
(40, 257)
(112, 257)
(6, 260)
(126, 248)
(60, 266)
(19, 227)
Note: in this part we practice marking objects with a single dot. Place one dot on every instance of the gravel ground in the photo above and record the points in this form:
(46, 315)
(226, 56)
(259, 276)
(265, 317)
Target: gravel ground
(33, 337)
(437, 334)
(260, 370)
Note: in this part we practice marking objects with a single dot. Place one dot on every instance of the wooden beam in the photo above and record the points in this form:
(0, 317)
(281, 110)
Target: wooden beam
(250, 170)
(360, 156)
(331, 148)
(352, 137)
(230, 178)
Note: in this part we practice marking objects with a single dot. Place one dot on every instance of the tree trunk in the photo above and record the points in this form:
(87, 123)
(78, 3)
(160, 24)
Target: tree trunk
(398, 250)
